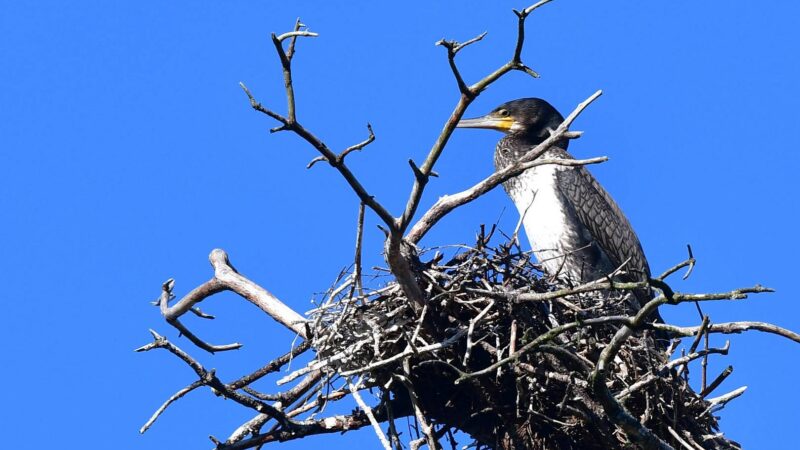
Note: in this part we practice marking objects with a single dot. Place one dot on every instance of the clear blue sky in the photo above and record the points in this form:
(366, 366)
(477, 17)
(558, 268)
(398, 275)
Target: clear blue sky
(128, 152)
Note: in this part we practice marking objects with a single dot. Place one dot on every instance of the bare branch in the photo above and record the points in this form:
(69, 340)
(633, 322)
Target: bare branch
(471, 329)
(254, 293)
(333, 424)
(717, 381)
(169, 401)
(294, 34)
(197, 312)
(314, 161)
(592, 286)
(357, 282)
(368, 411)
(286, 64)
(199, 342)
(703, 327)
(209, 378)
(427, 430)
(730, 328)
(678, 438)
(206, 289)
(272, 366)
(717, 403)
(530, 9)
(290, 123)
(260, 108)
(453, 48)
(521, 16)
(252, 426)
(358, 146)
(467, 96)
(687, 263)
(347, 151)
(682, 361)
(226, 278)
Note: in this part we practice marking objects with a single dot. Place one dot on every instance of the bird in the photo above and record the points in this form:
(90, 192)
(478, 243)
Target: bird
(576, 230)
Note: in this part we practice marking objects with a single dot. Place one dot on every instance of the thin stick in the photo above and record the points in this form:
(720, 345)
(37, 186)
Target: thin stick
(169, 401)
(368, 411)
(357, 258)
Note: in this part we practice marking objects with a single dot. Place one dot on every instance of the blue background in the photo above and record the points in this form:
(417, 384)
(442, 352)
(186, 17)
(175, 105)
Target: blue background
(128, 152)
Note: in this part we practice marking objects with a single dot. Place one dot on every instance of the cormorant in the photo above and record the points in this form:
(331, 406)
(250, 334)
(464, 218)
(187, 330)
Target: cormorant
(575, 228)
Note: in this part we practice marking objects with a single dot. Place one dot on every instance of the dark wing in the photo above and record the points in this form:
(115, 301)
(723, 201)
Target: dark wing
(598, 212)
(609, 227)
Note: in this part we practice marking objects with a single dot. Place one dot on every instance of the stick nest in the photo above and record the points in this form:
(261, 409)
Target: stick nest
(473, 320)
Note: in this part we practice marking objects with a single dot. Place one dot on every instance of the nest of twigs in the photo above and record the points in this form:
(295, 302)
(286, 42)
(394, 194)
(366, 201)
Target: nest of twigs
(477, 358)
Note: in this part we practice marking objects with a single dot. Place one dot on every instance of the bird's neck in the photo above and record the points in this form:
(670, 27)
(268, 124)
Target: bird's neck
(532, 139)
(514, 146)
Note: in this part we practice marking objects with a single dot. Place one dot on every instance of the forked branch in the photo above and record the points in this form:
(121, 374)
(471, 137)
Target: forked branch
(226, 278)
(468, 94)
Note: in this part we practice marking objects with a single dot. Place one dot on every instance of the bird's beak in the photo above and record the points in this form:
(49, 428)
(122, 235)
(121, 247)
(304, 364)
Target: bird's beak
(503, 124)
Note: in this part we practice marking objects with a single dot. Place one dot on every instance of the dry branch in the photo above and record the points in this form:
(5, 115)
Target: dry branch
(226, 278)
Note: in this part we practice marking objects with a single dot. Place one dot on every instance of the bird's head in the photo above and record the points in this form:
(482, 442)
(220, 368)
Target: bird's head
(529, 118)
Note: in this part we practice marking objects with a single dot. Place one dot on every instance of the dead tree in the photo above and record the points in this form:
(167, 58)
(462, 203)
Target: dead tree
(477, 341)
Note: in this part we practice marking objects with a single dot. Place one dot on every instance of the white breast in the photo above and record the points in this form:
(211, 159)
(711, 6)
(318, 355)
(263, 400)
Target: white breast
(550, 225)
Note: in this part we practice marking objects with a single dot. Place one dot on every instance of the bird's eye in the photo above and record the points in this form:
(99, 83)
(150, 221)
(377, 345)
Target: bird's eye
(502, 113)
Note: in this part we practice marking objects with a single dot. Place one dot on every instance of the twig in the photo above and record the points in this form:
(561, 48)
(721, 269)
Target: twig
(293, 34)
(252, 426)
(690, 262)
(453, 48)
(704, 366)
(592, 286)
(286, 63)
(472, 323)
(359, 146)
(427, 430)
(697, 338)
(682, 361)
(368, 411)
(209, 378)
(717, 403)
(272, 366)
(169, 401)
(717, 381)
(680, 440)
(729, 328)
(340, 157)
(357, 282)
